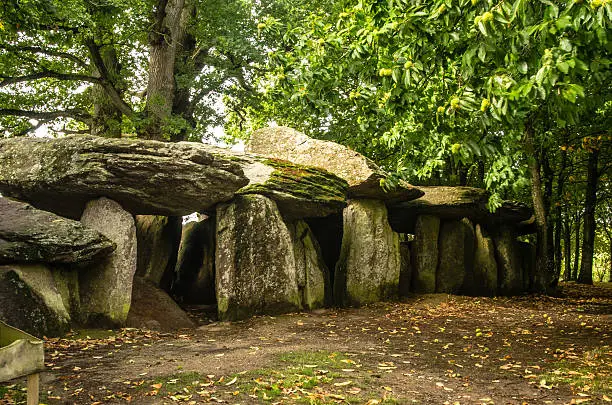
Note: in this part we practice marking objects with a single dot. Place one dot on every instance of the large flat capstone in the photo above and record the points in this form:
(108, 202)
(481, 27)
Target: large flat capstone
(31, 235)
(363, 175)
(146, 177)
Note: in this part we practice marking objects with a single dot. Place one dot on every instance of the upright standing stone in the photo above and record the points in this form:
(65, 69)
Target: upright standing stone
(256, 270)
(509, 274)
(425, 254)
(195, 267)
(106, 288)
(369, 265)
(527, 252)
(456, 252)
(312, 273)
(158, 243)
(405, 269)
(485, 266)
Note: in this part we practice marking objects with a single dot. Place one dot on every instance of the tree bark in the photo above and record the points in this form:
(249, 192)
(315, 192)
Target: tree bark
(576, 247)
(567, 249)
(167, 36)
(544, 273)
(588, 239)
(559, 211)
(107, 118)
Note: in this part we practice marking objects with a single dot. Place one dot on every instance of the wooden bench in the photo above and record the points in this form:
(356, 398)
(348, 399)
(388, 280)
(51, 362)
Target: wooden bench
(21, 355)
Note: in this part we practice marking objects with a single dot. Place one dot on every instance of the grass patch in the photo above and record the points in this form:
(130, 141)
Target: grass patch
(299, 377)
(591, 374)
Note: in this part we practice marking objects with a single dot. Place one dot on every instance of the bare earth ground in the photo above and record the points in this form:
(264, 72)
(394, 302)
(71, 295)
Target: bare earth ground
(434, 349)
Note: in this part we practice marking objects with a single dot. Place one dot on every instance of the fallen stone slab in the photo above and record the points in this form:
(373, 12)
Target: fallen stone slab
(363, 175)
(30, 235)
(146, 177)
(31, 301)
(153, 309)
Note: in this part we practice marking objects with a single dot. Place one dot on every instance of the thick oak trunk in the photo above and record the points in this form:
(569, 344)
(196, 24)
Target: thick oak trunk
(107, 118)
(588, 239)
(167, 36)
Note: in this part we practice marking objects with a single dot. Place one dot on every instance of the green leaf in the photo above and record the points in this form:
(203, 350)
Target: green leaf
(565, 44)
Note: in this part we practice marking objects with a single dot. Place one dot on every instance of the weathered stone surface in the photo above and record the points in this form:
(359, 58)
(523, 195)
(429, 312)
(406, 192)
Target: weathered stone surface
(425, 254)
(255, 267)
(29, 300)
(527, 253)
(485, 266)
(146, 177)
(106, 288)
(312, 275)
(363, 175)
(152, 308)
(31, 235)
(455, 203)
(509, 275)
(158, 243)
(456, 255)
(195, 267)
(405, 269)
(67, 284)
(369, 266)
(299, 191)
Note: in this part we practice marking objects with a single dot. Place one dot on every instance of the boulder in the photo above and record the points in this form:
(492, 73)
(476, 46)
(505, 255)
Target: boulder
(255, 268)
(146, 177)
(509, 274)
(299, 191)
(29, 300)
(425, 254)
(485, 266)
(369, 266)
(158, 243)
(312, 275)
(405, 269)
(456, 256)
(195, 268)
(152, 308)
(363, 176)
(106, 288)
(31, 235)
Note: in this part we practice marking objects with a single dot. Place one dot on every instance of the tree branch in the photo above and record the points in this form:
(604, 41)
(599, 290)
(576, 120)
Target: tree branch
(47, 74)
(49, 52)
(79, 115)
(104, 79)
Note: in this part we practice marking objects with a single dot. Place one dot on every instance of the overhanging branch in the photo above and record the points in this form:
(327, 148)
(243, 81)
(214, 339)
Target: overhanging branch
(47, 74)
(79, 115)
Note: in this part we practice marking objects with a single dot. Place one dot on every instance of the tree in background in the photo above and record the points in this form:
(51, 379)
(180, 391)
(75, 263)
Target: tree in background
(437, 89)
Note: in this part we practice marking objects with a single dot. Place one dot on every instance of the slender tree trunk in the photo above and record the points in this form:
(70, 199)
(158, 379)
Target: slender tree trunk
(167, 36)
(544, 273)
(567, 249)
(588, 240)
(559, 210)
(548, 179)
(576, 247)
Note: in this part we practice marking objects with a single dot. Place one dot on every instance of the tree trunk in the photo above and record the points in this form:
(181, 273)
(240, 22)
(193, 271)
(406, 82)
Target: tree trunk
(567, 249)
(544, 273)
(576, 247)
(107, 118)
(167, 36)
(588, 239)
(548, 177)
(559, 211)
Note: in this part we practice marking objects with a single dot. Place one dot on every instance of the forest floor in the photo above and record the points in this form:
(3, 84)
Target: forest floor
(432, 349)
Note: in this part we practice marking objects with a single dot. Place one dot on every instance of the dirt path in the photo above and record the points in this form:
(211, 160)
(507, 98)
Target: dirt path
(435, 349)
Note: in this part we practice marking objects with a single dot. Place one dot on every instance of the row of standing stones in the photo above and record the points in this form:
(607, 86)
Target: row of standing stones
(91, 232)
